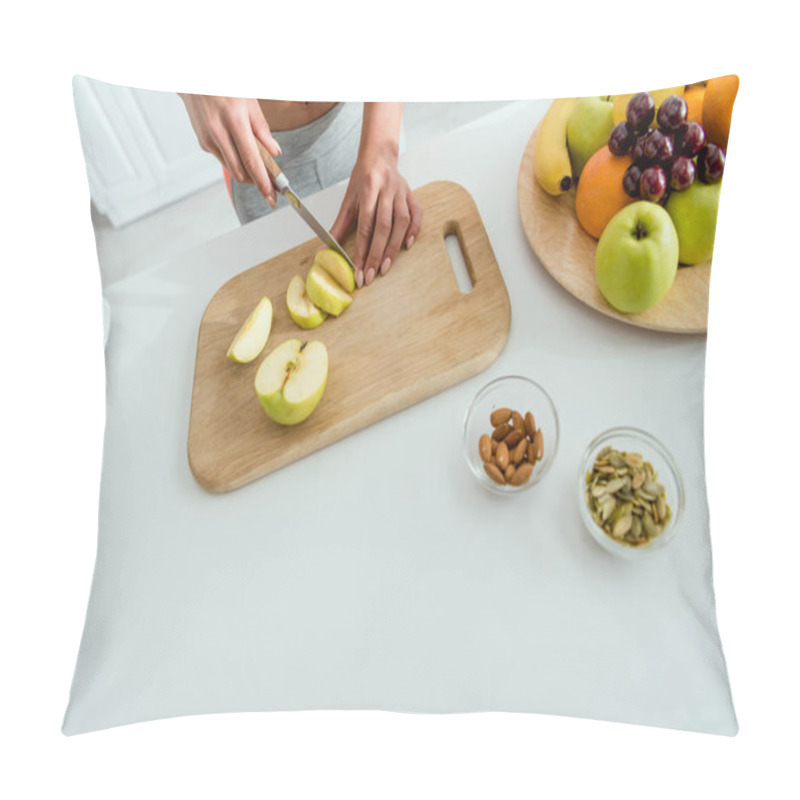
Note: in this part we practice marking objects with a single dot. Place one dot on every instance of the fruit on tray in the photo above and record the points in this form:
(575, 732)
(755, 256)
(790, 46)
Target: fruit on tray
(621, 101)
(637, 257)
(718, 108)
(291, 380)
(694, 215)
(325, 293)
(252, 336)
(588, 128)
(551, 162)
(301, 309)
(660, 145)
(600, 195)
(337, 268)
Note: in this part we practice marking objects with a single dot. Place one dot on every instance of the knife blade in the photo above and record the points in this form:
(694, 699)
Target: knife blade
(281, 183)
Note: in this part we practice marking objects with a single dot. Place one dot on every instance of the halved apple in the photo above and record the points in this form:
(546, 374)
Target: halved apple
(301, 309)
(325, 292)
(337, 268)
(252, 336)
(291, 379)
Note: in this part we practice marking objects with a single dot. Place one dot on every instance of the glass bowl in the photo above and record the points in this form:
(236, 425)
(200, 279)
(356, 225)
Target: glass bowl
(520, 394)
(633, 440)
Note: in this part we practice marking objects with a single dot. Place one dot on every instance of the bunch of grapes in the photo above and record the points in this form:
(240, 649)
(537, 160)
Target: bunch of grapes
(665, 158)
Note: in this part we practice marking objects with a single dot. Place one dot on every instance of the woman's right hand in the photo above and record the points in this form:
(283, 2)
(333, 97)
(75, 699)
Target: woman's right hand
(228, 127)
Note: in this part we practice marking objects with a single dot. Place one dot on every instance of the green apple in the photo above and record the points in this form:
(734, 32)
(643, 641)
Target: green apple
(325, 293)
(694, 214)
(637, 257)
(252, 336)
(588, 128)
(301, 309)
(337, 268)
(291, 380)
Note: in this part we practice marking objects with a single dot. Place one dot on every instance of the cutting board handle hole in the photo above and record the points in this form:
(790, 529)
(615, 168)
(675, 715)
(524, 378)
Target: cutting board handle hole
(458, 261)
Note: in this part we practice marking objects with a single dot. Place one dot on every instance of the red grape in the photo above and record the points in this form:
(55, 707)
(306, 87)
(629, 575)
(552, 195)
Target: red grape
(638, 147)
(711, 163)
(691, 137)
(672, 113)
(653, 184)
(640, 111)
(658, 148)
(682, 174)
(630, 181)
(621, 138)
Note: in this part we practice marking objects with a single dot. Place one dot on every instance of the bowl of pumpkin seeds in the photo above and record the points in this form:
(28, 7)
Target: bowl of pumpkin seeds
(630, 492)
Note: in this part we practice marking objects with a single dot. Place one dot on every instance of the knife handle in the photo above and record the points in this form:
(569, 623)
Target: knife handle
(275, 172)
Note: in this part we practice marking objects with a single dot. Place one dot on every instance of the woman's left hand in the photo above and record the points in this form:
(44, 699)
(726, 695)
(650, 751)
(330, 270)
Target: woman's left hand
(379, 203)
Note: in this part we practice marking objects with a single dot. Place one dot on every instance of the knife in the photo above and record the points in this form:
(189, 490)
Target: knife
(281, 183)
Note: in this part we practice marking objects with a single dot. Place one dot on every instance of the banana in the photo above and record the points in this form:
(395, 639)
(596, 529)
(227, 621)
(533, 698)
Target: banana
(551, 164)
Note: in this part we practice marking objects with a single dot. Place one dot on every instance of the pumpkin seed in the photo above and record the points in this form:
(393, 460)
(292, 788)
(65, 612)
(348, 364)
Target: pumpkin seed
(625, 498)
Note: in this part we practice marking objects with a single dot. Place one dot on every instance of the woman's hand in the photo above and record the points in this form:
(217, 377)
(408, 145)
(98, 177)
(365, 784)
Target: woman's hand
(378, 200)
(228, 127)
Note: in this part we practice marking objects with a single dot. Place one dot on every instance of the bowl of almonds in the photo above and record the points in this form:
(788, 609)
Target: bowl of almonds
(630, 492)
(510, 434)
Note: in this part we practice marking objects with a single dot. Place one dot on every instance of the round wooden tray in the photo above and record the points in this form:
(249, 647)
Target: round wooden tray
(566, 251)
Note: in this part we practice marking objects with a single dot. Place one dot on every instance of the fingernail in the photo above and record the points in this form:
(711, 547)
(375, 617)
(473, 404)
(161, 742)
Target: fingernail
(277, 146)
(370, 276)
(359, 278)
(387, 263)
(409, 242)
(271, 201)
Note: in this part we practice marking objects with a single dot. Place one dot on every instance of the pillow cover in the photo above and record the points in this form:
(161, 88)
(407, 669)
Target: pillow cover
(471, 481)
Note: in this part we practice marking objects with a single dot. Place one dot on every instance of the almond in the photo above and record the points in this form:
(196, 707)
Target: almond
(531, 453)
(501, 431)
(538, 444)
(530, 425)
(500, 416)
(514, 438)
(521, 474)
(494, 473)
(501, 456)
(485, 447)
(517, 422)
(519, 451)
(510, 470)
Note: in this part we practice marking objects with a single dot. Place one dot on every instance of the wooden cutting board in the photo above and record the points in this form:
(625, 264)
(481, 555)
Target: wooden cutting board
(566, 251)
(407, 336)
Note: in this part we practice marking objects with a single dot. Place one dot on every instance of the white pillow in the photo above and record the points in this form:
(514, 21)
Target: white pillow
(377, 573)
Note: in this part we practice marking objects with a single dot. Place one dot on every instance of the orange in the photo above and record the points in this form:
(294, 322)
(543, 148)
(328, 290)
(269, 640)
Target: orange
(694, 100)
(600, 194)
(718, 108)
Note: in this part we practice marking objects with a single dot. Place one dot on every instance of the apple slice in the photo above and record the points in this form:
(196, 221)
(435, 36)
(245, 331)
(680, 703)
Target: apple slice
(252, 336)
(325, 292)
(291, 379)
(301, 309)
(337, 268)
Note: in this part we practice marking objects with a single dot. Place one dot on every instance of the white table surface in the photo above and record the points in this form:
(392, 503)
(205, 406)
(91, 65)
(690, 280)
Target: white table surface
(377, 573)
